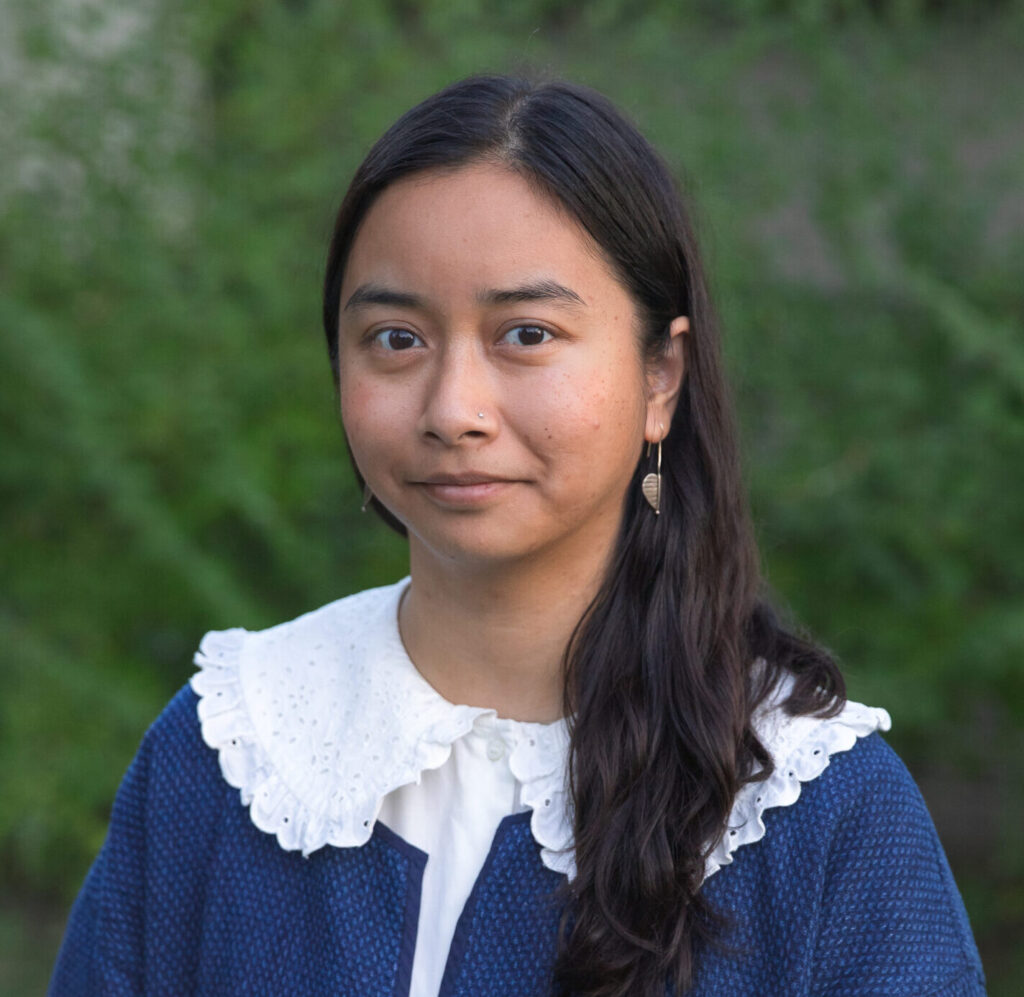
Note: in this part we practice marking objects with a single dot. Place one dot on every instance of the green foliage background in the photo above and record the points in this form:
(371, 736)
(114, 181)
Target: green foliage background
(172, 460)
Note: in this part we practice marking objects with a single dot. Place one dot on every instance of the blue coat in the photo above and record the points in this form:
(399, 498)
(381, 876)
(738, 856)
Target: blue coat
(848, 893)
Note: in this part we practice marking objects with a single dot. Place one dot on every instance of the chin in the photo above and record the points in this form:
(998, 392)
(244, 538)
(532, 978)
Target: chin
(476, 549)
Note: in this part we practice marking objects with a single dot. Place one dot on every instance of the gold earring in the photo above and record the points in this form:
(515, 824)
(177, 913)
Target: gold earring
(651, 485)
(367, 498)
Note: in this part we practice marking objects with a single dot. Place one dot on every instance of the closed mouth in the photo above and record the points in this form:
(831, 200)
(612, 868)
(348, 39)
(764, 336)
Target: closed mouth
(464, 490)
(462, 480)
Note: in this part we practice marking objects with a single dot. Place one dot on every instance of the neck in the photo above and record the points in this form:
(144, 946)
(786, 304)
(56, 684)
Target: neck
(495, 636)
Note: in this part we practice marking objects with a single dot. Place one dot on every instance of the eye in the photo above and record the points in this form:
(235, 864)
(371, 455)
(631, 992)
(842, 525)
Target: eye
(395, 340)
(527, 335)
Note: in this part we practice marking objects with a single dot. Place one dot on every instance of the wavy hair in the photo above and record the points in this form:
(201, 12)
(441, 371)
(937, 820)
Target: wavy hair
(668, 665)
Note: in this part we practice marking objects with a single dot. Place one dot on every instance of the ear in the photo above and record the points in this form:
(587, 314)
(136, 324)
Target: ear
(664, 379)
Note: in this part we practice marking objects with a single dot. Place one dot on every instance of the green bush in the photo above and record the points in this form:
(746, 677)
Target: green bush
(173, 461)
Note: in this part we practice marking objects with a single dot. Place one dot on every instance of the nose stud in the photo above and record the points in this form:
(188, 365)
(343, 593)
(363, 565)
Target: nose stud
(479, 415)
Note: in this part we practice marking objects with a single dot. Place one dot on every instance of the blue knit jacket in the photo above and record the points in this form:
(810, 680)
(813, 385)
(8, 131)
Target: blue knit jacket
(848, 893)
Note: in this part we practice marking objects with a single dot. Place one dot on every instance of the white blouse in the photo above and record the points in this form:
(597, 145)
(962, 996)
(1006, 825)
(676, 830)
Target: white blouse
(325, 726)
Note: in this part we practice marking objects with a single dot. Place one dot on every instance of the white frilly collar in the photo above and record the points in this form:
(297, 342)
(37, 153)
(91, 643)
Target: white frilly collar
(315, 721)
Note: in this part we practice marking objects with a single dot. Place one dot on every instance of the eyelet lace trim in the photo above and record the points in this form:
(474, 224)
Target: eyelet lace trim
(538, 763)
(317, 720)
(801, 748)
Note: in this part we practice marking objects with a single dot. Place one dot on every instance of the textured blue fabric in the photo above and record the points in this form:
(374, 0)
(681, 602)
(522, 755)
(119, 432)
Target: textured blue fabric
(848, 893)
(517, 960)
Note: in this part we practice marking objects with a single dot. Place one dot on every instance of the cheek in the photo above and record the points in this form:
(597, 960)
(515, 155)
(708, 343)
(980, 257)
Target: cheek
(363, 413)
(586, 419)
(555, 413)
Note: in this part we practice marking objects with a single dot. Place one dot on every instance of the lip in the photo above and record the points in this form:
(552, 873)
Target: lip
(465, 478)
(463, 490)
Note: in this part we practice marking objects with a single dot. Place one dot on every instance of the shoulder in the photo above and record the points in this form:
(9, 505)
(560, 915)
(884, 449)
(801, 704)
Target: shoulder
(314, 721)
(863, 809)
(851, 876)
(344, 633)
(800, 818)
(866, 811)
(870, 781)
(803, 749)
(877, 835)
(173, 770)
(892, 909)
(174, 761)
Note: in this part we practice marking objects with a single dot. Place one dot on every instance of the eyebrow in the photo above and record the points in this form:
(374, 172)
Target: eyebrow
(539, 290)
(377, 294)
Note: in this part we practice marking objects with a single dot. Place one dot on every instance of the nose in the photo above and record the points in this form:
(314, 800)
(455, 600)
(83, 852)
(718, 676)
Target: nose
(458, 406)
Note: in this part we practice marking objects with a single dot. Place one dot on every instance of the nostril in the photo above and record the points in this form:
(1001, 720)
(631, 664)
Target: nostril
(449, 416)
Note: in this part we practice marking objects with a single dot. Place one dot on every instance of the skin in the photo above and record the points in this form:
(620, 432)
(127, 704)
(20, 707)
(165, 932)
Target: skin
(468, 292)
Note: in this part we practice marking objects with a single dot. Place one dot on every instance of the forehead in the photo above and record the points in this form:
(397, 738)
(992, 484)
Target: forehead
(482, 225)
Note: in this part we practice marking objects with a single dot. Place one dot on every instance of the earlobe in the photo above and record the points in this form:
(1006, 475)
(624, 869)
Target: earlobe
(666, 380)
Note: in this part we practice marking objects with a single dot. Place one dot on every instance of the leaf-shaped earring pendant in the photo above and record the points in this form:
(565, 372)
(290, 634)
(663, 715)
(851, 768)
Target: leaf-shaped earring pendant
(651, 486)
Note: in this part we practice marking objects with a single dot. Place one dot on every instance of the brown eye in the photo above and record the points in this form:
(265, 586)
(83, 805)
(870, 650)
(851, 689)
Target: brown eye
(397, 339)
(527, 335)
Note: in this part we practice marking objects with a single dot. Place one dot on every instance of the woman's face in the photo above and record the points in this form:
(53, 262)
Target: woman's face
(492, 386)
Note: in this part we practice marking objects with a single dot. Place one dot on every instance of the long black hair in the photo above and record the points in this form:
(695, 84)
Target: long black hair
(667, 666)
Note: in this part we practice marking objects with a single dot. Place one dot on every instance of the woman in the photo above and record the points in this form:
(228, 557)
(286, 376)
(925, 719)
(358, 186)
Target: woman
(575, 752)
